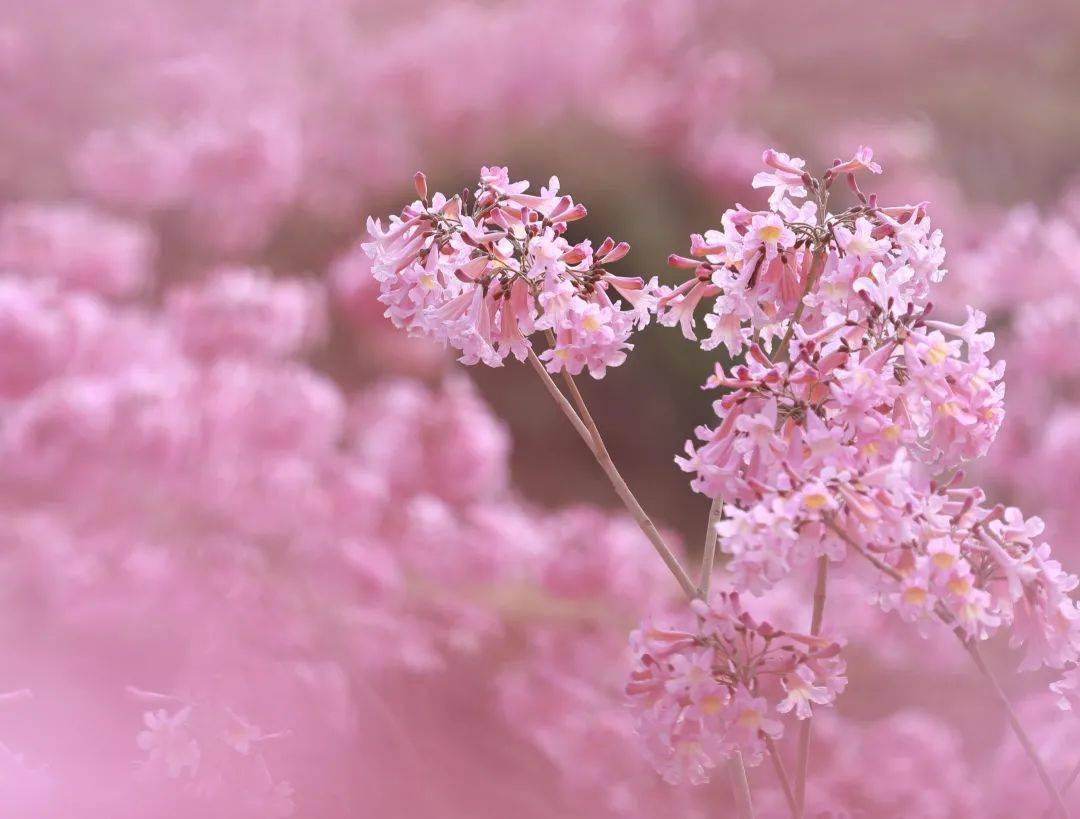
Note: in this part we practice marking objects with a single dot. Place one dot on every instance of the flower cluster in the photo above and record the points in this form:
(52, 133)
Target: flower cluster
(707, 688)
(845, 428)
(199, 483)
(485, 270)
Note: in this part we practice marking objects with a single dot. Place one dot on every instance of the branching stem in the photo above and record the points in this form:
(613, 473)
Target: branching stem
(583, 422)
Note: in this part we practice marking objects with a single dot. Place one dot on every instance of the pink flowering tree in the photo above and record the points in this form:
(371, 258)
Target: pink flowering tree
(845, 414)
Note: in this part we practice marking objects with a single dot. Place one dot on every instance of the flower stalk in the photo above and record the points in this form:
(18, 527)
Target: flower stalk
(805, 727)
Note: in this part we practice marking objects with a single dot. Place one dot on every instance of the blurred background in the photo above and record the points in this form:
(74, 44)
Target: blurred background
(261, 555)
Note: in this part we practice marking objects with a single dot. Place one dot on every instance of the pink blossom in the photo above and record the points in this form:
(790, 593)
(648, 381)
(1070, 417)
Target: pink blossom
(789, 178)
(847, 395)
(485, 274)
(702, 692)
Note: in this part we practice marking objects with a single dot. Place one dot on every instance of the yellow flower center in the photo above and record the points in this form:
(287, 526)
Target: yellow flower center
(943, 560)
(959, 586)
(948, 408)
(769, 233)
(711, 705)
(914, 596)
(938, 353)
(750, 718)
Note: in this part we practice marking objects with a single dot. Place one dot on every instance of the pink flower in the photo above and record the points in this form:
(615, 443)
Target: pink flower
(861, 242)
(709, 689)
(771, 231)
(1068, 688)
(862, 160)
(849, 393)
(788, 178)
(450, 270)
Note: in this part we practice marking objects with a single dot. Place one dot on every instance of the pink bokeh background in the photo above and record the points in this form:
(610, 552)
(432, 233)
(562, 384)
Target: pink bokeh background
(261, 555)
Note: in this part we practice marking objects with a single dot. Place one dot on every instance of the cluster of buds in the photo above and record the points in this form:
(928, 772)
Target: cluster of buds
(719, 684)
(484, 270)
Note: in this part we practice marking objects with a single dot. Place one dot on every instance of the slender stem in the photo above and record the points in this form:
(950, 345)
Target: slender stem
(590, 434)
(817, 615)
(1018, 728)
(972, 649)
(781, 774)
(708, 558)
(735, 766)
(560, 399)
(582, 408)
(1073, 774)
(708, 554)
(803, 758)
(603, 457)
(740, 786)
(1065, 785)
(588, 430)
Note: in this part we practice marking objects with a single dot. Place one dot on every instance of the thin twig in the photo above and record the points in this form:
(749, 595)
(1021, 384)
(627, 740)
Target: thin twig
(781, 774)
(590, 434)
(560, 399)
(588, 430)
(972, 649)
(1070, 778)
(1018, 728)
(816, 617)
(582, 407)
(740, 786)
(708, 554)
(1065, 785)
(803, 759)
(603, 457)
